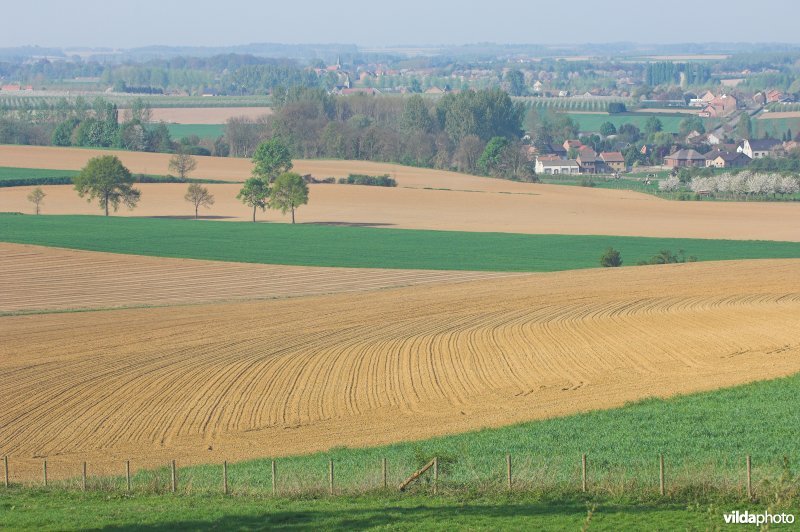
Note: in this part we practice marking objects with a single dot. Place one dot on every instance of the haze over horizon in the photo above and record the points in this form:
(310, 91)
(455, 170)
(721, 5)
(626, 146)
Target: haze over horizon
(91, 23)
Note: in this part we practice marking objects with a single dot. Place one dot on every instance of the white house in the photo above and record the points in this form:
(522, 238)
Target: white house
(558, 166)
(758, 149)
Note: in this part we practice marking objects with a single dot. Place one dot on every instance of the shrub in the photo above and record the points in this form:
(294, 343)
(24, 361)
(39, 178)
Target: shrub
(611, 259)
(666, 256)
(368, 180)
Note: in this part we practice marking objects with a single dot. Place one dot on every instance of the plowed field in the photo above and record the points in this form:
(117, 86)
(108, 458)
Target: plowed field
(34, 278)
(241, 380)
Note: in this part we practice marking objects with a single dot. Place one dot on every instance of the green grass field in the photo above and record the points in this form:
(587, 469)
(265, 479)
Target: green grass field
(704, 438)
(54, 510)
(592, 122)
(775, 127)
(204, 131)
(323, 245)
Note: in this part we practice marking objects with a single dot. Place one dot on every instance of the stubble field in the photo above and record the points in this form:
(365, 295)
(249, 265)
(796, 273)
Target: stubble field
(242, 380)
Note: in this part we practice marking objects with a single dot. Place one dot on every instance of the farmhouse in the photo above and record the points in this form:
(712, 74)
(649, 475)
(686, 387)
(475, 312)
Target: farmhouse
(724, 159)
(587, 160)
(720, 106)
(758, 149)
(685, 158)
(550, 166)
(613, 161)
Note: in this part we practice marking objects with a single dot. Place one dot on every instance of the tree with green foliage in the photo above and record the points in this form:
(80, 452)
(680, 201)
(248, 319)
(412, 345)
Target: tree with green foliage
(490, 158)
(255, 193)
(288, 192)
(416, 117)
(37, 197)
(694, 123)
(653, 125)
(744, 129)
(199, 196)
(616, 108)
(516, 83)
(271, 159)
(611, 259)
(62, 136)
(107, 180)
(607, 128)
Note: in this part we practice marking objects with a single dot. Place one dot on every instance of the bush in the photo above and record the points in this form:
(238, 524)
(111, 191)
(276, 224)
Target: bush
(666, 256)
(611, 259)
(368, 180)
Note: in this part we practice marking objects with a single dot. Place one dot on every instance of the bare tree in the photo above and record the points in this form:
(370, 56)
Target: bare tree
(183, 164)
(199, 196)
(37, 198)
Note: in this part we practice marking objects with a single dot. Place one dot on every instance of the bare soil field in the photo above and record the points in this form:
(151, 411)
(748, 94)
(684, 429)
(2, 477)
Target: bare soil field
(204, 115)
(242, 380)
(522, 208)
(36, 279)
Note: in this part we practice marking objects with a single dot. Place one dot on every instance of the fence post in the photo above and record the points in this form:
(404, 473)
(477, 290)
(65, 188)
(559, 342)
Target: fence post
(385, 473)
(225, 477)
(661, 487)
(44, 472)
(435, 475)
(583, 473)
(749, 478)
(128, 475)
(83, 479)
(508, 470)
(5, 468)
(274, 481)
(330, 476)
(174, 478)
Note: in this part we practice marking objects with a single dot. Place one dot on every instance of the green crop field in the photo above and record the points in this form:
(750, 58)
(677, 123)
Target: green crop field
(322, 245)
(13, 174)
(204, 131)
(704, 439)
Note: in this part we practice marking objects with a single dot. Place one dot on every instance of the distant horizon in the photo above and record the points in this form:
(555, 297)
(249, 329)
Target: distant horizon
(202, 23)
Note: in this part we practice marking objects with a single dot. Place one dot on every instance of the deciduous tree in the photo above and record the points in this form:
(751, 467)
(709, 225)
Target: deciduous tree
(107, 180)
(182, 163)
(271, 159)
(37, 198)
(199, 196)
(288, 192)
(254, 193)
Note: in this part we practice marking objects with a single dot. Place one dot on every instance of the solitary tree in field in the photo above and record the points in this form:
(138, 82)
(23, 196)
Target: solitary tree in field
(182, 163)
(288, 193)
(37, 198)
(254, 193)
(107, 180)
(271, 159)
(199, 196)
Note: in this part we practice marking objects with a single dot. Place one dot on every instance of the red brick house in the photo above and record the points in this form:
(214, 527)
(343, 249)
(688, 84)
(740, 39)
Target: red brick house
(685, 159)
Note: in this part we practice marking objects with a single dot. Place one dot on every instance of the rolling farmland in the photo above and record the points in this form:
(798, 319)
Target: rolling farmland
(242, 380)
(35, 279)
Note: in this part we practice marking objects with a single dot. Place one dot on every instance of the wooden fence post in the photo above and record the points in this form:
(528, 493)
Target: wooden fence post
(583, 473)
(330, 476)
(274, 480)
(44, 472)
(435, 475)
(128, 475)
(385, 475)
(83, 480)
(661, 487)
(749, 478)
(225, 477)
(508, 470)
(5, 468)
(174, 478)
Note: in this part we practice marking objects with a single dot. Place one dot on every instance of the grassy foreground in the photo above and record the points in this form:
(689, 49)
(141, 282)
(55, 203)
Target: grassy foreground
(361, 247)
(54, 510)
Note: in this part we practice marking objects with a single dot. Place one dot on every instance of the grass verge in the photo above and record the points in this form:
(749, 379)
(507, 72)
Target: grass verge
(322, 245)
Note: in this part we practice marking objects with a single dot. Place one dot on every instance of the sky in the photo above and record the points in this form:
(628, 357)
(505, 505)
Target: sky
(133, 23)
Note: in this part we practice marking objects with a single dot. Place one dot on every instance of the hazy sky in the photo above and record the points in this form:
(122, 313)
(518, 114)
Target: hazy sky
(132, 23)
